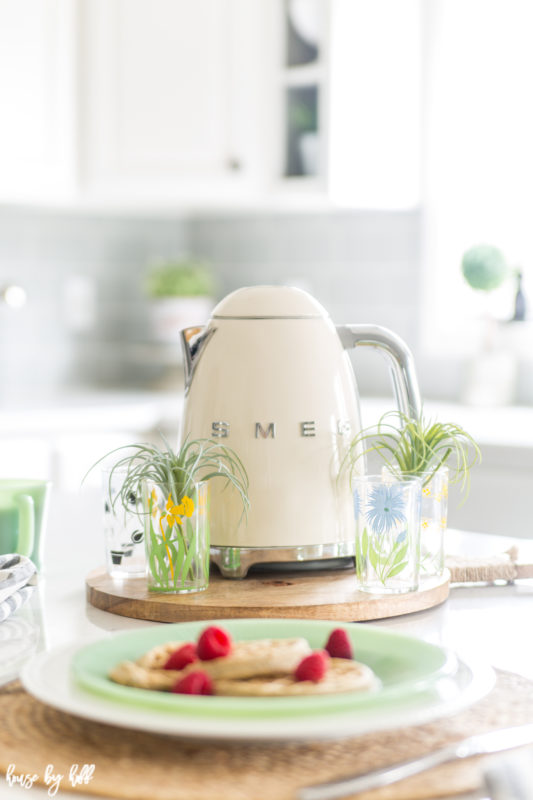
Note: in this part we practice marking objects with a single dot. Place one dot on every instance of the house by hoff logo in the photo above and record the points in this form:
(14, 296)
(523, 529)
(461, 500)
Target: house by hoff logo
(221, 429)
(78, 775)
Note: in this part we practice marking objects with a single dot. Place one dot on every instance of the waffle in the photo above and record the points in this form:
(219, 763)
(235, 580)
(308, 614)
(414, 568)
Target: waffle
(342, 676)
(264, 657)
(128, 673)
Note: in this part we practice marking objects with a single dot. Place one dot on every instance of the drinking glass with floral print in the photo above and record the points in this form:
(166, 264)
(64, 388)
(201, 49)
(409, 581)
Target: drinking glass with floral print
(433, 522)
(177, 539)
(387, 533)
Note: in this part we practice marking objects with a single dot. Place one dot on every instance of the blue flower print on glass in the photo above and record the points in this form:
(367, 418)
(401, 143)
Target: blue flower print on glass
(386, 508)
(401, 537)
(356, 503)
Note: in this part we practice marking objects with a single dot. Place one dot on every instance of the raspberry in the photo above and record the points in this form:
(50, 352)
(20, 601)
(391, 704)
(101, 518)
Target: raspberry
(194, 683)
(179, 658)
(339, 645)
(213, 643)
(313, 667)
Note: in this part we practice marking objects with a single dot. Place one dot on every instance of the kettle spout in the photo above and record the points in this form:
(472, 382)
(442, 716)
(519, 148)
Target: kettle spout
(193, 341)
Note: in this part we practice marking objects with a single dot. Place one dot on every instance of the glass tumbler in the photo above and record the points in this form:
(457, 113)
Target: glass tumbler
(387, 533)
(176, 538)
(123, 528)
(434, 516)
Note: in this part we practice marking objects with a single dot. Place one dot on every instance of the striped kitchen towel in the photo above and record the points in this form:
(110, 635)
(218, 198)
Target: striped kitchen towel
(17, 578)
(15, 601)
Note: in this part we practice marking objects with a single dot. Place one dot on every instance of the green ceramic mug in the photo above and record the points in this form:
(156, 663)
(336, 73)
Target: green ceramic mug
(23, 512)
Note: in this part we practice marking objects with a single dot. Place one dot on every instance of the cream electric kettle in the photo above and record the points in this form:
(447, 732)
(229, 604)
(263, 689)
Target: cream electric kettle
(270, 377)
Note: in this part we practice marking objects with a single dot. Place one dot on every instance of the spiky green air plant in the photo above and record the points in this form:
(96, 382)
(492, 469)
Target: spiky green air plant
(416, 447)
(176, 471)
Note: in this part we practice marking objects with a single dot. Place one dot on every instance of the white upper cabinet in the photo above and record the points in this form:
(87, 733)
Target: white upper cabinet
(132, 102)
(195, 103)
(37, 99)
(166, 87)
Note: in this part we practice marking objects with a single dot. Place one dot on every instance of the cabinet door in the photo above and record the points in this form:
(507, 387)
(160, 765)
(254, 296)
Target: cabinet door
(159, 77)
(37, 108)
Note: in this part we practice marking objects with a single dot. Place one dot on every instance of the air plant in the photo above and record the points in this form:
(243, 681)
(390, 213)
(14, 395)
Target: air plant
(162, 485)
(416, 447)
(176, 471)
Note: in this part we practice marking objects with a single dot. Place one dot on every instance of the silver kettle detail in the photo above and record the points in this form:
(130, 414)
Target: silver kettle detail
(270, 376)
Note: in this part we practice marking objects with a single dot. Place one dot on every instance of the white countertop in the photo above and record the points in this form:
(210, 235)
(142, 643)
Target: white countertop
(498, 426)
(505, 426)
(486, 621)
(90, 411)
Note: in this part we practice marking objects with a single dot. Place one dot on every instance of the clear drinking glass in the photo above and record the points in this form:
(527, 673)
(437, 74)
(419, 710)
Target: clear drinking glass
(177, 539)
(123, 528)
(387, 533)
(433, 521)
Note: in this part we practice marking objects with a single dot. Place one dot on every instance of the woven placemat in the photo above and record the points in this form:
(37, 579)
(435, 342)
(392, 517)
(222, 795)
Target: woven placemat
(137, 765)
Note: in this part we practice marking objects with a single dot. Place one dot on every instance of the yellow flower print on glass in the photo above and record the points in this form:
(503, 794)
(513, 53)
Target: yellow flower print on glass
(433, 523)
(187, 506)
(176, 512)
(153, 503)
(173, 512)
(202, 505)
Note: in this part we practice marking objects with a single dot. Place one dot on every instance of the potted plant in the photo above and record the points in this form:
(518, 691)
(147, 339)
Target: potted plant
(491, 377)
(173, 485)
(438, 453)
(181, 293)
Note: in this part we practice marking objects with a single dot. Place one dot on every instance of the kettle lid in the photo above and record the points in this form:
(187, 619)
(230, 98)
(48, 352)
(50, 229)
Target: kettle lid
(271, 302)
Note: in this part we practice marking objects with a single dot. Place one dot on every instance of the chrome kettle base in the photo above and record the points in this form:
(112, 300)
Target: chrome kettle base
(234, 562)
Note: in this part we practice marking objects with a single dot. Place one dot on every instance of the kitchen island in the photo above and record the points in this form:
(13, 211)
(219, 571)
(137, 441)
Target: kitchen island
(484, 622)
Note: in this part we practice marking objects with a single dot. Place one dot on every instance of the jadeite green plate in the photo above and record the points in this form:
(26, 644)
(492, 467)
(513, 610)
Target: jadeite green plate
(410, 670)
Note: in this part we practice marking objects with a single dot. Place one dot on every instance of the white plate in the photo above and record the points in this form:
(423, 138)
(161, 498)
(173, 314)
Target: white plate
(48, 677)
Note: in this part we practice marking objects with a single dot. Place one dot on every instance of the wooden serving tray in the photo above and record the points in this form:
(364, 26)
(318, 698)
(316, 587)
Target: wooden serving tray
(298, 595)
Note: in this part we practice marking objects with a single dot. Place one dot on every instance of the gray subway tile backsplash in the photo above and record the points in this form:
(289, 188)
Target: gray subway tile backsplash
(363, 266)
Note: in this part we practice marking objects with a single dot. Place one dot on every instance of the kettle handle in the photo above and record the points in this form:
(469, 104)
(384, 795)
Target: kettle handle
(400, 358)
(193, 342)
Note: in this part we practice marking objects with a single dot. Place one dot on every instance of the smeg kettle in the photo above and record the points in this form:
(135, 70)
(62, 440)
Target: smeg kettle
(270, 376)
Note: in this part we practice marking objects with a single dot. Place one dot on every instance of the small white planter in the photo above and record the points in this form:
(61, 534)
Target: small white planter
(171, 314)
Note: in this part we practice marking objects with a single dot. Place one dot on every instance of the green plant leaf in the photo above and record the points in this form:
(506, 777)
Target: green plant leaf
(373, 555)
(162, 565)
(187, 277)
(152, 562)
(396, 569)
(192, 553)
(179, 558)
(358, 550)
(364, 542)
(399, 555)
(153, 555)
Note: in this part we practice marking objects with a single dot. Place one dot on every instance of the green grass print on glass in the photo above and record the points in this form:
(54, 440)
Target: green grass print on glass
(177, 539)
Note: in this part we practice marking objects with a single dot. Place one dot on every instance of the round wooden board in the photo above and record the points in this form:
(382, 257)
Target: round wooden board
(297, 595)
